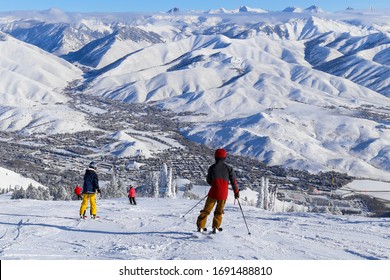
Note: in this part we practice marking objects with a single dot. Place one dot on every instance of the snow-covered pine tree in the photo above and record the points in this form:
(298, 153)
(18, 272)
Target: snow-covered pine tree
(273, 198)
(110, 189)
(147, 189)
(160, 183)
(116, 187)
(172, 188)
(266, 195)
(167, 186)
(163, 179)
(18, 193)
(44, 193)
(60, 193)
(32, 192)
(121, 190)
(155, 184)
(261, 195)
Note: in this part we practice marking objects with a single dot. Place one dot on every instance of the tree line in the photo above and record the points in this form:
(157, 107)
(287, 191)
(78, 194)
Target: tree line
(157, 184)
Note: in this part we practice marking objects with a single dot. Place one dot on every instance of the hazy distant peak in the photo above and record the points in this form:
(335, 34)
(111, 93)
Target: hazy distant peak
(246, 9)
(55, 15)
(173, 10)
(292, 10)
(54, 11)
(242, 9)
(314, 9)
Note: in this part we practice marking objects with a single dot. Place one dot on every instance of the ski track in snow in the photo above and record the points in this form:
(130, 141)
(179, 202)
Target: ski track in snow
(156, 229)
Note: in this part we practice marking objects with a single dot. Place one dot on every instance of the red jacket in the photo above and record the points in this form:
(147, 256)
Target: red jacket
(219, 176)
(78, 190)
(132, 192)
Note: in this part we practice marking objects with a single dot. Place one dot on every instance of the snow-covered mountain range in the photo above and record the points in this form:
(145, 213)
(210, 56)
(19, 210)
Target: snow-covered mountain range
(302, 88)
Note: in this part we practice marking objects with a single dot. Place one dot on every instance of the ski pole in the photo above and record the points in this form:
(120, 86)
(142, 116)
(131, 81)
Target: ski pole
(239, 204)
(194, 206)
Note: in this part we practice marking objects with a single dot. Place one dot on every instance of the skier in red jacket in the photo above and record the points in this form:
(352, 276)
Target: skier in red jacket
(78, 190)
(132, 195)
(218, 176)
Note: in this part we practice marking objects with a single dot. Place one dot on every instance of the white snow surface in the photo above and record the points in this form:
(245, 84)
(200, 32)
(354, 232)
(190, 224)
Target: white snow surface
(131, 143)
(154, 229)
(31, 82)
(11, 179)
(164, 229)
(367, 187)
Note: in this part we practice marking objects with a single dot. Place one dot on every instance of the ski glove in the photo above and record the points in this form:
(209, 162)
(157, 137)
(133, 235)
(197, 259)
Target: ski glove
(237, 195)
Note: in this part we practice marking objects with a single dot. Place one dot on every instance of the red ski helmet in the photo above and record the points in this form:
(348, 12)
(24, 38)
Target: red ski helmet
(220, 153)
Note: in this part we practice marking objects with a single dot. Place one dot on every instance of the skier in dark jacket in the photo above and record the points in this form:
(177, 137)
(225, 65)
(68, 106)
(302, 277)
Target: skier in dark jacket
(218, 176)
(90, 187)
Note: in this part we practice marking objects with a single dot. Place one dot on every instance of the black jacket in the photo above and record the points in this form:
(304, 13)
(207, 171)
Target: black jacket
(91, 181)
(219, 176)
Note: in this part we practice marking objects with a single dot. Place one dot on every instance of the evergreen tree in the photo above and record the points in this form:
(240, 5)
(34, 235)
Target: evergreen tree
(273, 198)
(266, 194)
(163, 184)
(160, 183)
(116, 187)
(171, 184)
(44, 193)
(32, 192)
(260, 197)
(61, 194)
(155, 184)
(19, 193)
(121, 189)
(147, 189)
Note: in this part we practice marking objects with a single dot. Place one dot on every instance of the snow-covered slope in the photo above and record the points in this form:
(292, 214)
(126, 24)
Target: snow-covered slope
(131, 143)
(104, 51)
(156, 230)
(30, 90)
(164, 229)
(10, 179)
(304, 112)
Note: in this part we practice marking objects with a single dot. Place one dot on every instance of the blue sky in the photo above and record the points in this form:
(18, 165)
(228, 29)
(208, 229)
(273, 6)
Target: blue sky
(165, 5)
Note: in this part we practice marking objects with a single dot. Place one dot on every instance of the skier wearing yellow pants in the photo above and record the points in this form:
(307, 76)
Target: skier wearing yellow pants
(90, 187)
(91, 198)
(219, 175)
(208, 207)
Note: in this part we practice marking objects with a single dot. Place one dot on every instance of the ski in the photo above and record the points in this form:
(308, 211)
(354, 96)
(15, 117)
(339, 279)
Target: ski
(215, 231)
(208, 234)
(92, 217)
(199, 232)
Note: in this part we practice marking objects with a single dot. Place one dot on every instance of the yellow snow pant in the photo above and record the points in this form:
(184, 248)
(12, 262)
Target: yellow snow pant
(91, 197)
(208, 207)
